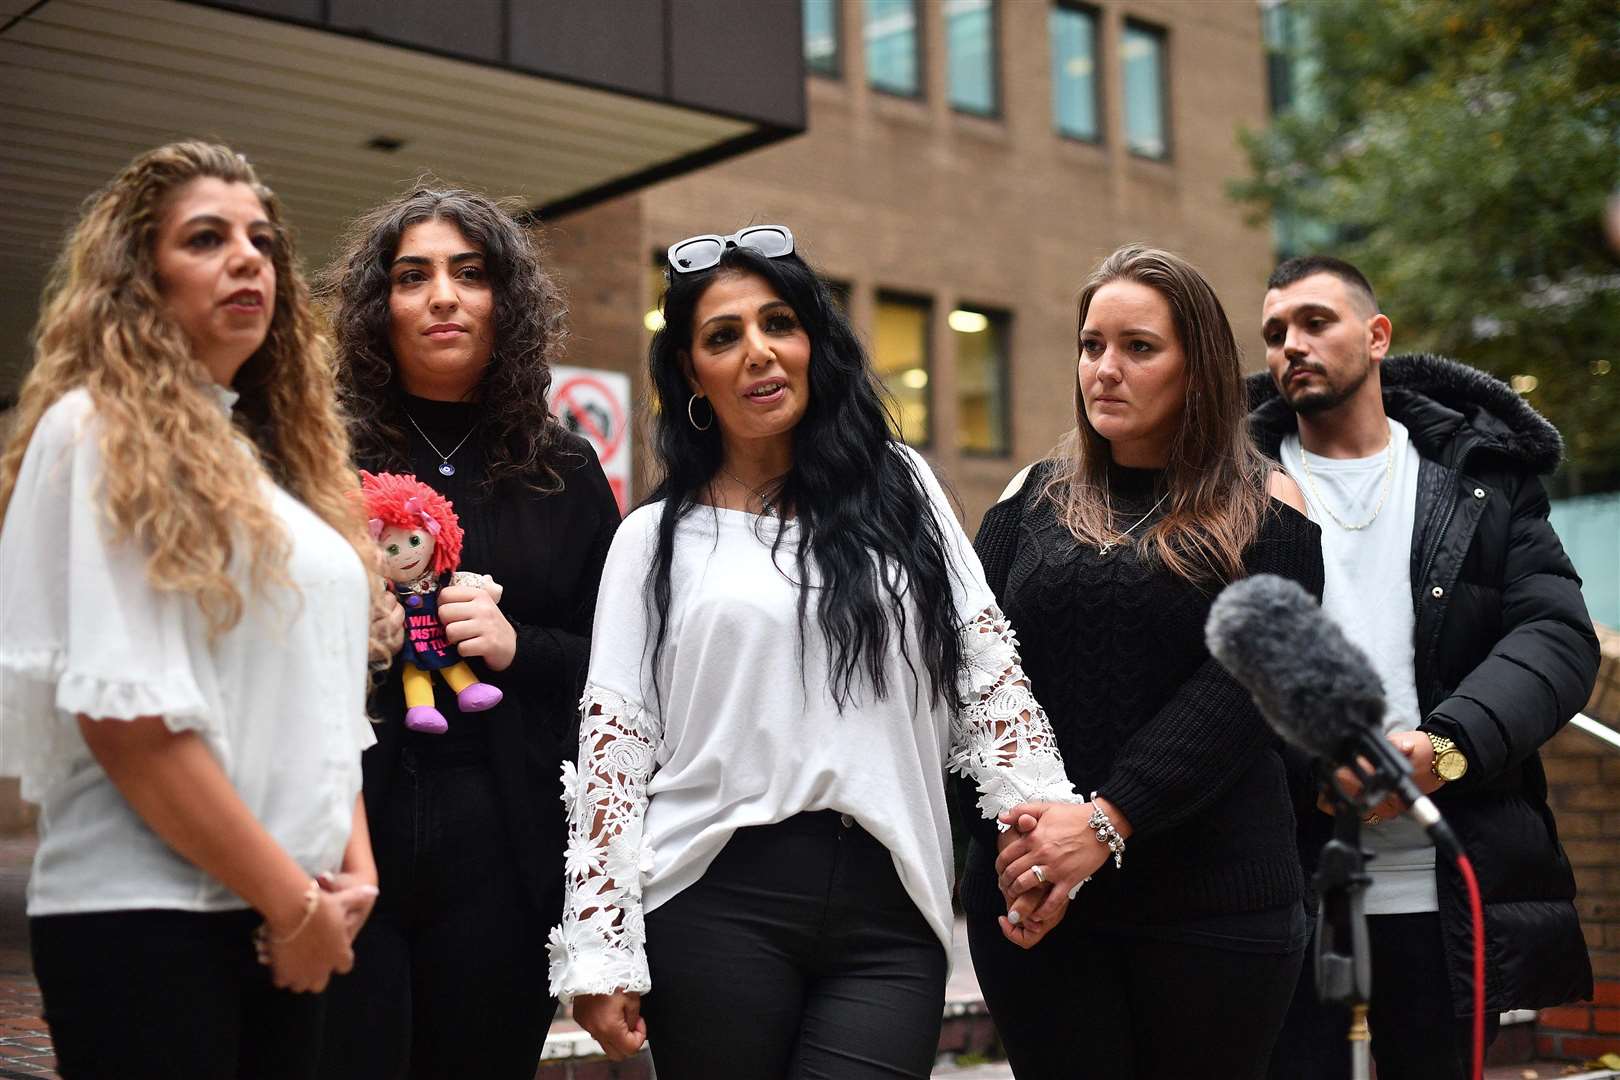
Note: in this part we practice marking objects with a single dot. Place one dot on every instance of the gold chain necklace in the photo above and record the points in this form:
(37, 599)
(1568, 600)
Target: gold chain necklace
(1389, 476)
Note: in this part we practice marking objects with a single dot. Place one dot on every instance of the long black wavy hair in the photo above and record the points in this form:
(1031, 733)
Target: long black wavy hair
(523, 440)
(864, 517)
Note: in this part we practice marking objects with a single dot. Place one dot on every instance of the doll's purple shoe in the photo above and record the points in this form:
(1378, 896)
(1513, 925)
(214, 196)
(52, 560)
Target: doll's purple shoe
(426, 719)
(478, 697)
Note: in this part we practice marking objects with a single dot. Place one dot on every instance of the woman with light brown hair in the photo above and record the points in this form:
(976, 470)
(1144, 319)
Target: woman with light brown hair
(185, 578)
(1106, 558)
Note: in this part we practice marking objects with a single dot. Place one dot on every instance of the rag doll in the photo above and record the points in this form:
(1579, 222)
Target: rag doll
(420, 538)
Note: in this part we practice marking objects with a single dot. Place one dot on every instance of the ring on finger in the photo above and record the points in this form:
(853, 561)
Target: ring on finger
(1040, 873)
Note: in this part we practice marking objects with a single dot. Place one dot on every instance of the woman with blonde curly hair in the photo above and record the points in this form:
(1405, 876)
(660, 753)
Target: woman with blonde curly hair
(186, 578)
(447, 325)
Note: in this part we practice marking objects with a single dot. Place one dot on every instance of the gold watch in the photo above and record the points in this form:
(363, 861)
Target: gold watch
(1448, 763)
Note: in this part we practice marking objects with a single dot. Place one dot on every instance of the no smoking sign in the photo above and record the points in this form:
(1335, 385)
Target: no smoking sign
(595, 405)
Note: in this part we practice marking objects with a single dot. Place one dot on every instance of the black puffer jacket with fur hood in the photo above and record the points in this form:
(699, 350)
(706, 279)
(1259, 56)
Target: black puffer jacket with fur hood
(1505, 654)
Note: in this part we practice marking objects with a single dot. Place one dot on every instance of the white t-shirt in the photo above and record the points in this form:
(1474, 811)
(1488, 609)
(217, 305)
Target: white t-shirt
(1368, 591)
(743, 730)
(278, 699)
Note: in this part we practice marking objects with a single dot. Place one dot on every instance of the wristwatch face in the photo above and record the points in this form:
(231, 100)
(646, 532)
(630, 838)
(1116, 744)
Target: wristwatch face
(1451, 765)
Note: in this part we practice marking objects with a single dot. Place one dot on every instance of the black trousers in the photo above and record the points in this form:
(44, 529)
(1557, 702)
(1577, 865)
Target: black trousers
(168, 995)
(449, 976)
(1415, 1033)
(1094, 1004)
(801, 938)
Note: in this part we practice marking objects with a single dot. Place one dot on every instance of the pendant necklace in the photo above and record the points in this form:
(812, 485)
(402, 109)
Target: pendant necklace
(767, 507)
(1111, 544)
(445, 468)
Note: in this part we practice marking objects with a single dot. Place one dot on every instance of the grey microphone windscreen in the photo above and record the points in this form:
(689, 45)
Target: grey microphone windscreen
(1315, 688)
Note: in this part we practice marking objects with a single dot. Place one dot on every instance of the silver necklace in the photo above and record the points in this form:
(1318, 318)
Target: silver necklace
(1389, 476)
(445, 468)
(1111, 544)
(767, 507)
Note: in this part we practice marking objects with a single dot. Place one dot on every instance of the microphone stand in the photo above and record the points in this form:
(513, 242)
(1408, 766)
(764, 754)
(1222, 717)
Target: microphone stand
(1343, 961)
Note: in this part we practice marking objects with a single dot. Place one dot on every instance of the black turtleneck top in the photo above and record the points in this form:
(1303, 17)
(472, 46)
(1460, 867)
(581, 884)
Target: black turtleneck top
(1114, 649)
(546, 551)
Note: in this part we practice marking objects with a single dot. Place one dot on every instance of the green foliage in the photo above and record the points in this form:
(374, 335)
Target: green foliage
(1462, 153)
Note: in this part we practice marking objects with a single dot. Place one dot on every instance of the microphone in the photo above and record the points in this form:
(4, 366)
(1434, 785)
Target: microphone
(1314, 687)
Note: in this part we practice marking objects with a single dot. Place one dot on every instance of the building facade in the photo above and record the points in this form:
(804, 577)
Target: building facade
(966, 164)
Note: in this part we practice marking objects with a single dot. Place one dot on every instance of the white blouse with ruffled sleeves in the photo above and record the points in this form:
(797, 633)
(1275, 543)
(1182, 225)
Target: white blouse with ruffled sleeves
(743, 730)
(279, 699)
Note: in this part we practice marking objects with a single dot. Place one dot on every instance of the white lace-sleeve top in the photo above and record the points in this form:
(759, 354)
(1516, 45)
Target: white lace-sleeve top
(279, 699)
(741, 733)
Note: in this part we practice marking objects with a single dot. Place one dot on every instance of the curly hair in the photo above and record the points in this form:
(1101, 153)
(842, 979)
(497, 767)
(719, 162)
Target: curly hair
(183, 489)
(1216, 477)
(523, 437)
(406, 503)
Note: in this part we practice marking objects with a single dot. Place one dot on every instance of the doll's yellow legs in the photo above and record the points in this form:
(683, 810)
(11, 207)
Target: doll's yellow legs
(459, 676)
(418, 686)
(419, 683)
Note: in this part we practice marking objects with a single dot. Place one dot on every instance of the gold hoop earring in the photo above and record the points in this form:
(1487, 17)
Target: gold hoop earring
(691, 401)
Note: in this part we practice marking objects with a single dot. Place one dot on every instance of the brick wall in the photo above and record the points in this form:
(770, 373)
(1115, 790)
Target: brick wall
(1583, 774)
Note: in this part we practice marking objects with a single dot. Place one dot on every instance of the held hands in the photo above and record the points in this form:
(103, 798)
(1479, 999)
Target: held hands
(1059, 839)
(614, 1020)
(476, 627)
(1419, 753)
(1020, 925)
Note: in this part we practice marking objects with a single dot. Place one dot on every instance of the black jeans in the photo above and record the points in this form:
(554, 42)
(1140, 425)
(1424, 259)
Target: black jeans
(449, 977)
(1100, 1003)
(1415, 1033)
(168, 995)
(798, 954)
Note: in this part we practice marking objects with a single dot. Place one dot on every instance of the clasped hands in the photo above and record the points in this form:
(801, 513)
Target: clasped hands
(323, 943)
(1058, 838)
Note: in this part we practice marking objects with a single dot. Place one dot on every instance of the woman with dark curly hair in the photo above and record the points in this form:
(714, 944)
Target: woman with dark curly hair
(447, 325)
(794, 642)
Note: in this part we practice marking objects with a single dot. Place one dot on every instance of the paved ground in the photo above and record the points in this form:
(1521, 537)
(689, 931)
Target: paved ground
(25, 1045)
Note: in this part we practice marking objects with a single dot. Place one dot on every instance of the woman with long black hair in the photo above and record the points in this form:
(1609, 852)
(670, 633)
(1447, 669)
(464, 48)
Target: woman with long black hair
(793, 641)
(447, 326)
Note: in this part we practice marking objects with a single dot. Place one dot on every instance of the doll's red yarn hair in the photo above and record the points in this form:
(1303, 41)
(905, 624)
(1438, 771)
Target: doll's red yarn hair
(406, 503)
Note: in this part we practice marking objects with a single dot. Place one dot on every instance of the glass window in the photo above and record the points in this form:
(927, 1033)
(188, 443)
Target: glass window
(970, 46)
(1292, 61)
(1073, 33)
(893, 64)
(902, 360)
(821, 37)
(1146, 126)
(981, 380)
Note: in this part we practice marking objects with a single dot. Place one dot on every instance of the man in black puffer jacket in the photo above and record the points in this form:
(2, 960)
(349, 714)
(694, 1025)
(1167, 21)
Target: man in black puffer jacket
(1440, 563)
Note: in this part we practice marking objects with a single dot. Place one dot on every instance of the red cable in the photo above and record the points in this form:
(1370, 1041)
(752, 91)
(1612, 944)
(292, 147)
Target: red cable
(1477, 910)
